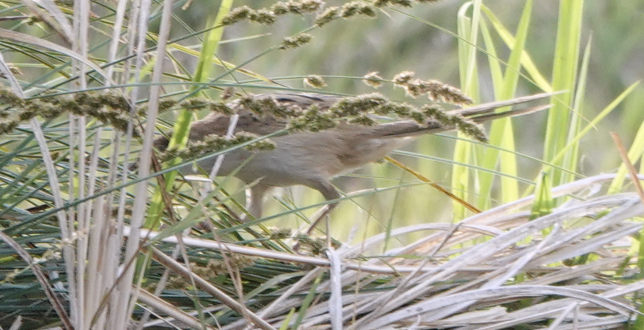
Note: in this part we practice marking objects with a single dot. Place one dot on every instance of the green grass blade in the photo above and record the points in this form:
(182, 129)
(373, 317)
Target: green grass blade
(591, 125)
(543, 202)
(181, 128)
(564, 78)
(501, 131)
(534, 75)
(467, 31)
(572, 158)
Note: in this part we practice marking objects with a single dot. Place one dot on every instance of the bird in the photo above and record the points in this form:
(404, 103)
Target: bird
(313, 158)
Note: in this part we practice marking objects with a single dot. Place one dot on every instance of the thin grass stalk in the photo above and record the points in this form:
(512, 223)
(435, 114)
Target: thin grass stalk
(499, 279)
(115, 241)
(185, 272)
(472, 39)
(533, 74)
(106, 245)
(133, 60)
(472, 256)
(74, 314)
(557, 322)
(484, 178)
(315, 261)
(65, 26)
(93, 229)
(375, 305)
(114, 230)
(512, 291)
(634, 154)
(17, 323)
(57, 304)
(181, 128)
(155, 90)
(592, 124)
(68, 252)
(636, 150)
(306, 302)
(101, 255)
(168, 320)
(390, 222)
(432, 299)
(124, 286)
(507, 160)
(543, 202)
(98, 274)
(42, 43)
(564, 78)
(78, 125)
(574, 141)
(171, 310)
(52, 16)
(555, 307)
(577, 115)
(468, 34)
(83, 221)
(192, 276)
(335, 301)
(501, 131)
(273, 307)
(158, 290)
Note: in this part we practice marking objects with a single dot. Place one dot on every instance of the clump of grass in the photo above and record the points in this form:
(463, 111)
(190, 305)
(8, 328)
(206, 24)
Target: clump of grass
(84, 245)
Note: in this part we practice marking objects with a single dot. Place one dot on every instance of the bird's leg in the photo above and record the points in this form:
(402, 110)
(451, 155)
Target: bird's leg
(319, 215)
(330, 193)
(255, 199)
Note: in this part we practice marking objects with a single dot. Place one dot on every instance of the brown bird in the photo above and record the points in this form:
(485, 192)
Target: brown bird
(312, 159)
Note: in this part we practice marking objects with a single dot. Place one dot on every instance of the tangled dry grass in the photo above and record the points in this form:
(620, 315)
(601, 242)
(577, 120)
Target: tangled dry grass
(495, 270)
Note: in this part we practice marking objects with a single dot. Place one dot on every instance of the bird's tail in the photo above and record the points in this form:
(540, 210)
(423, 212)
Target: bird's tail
(479, 114)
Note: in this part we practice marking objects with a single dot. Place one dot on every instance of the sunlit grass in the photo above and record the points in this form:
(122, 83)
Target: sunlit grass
(69, 205)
